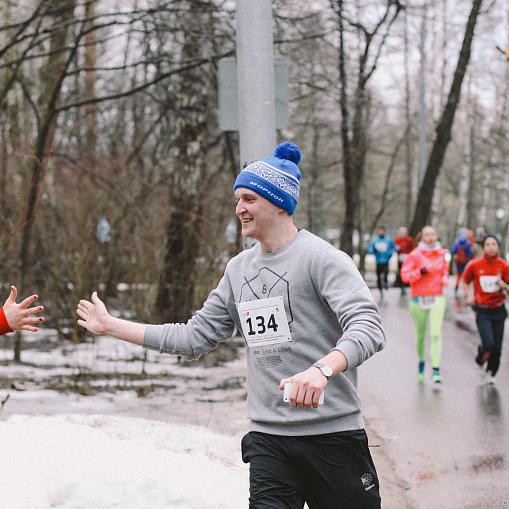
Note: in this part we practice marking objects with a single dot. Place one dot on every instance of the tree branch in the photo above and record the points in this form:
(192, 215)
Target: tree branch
(144, 86)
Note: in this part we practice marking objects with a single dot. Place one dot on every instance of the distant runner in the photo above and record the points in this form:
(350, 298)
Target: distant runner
(383, 247)
(427, 271)
(405, 244)
(462, 253)
(490, 275)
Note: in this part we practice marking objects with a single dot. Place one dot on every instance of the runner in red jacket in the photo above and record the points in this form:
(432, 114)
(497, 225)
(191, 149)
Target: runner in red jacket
(405, 245)
(18, 316)
(490, 275)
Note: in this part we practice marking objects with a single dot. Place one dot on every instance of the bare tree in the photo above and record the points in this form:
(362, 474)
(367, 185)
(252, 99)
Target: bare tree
(444, 128)
(353, 120)
(52, 76)
(66, 39)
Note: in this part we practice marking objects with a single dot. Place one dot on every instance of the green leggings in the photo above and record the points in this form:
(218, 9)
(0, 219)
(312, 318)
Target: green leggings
(436, 317)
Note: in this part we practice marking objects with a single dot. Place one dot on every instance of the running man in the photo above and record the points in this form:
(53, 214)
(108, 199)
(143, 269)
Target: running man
(309, 320)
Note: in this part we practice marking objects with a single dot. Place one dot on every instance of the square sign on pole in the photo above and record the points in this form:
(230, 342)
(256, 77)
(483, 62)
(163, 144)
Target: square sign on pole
(228, 94)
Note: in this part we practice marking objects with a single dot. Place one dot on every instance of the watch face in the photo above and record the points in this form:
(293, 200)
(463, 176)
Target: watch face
(327, 371)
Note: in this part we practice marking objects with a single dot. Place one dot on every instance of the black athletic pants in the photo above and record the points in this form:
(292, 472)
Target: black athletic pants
(490, 323)
(382, 272)
(331, 471)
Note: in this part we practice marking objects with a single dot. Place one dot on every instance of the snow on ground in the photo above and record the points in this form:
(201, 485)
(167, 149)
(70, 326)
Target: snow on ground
(100, 443)
(102, 426)
(79, 461)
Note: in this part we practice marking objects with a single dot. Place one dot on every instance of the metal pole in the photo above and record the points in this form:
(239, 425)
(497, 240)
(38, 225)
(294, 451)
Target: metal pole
(255, 75)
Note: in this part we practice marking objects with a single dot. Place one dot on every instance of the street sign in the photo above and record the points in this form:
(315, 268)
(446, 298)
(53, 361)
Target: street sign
(228, 94)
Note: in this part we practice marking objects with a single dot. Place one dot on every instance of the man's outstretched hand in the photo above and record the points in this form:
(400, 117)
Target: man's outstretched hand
(94, 314)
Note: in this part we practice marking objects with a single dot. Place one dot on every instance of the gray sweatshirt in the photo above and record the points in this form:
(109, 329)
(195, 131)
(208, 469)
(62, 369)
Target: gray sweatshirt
(328, 306)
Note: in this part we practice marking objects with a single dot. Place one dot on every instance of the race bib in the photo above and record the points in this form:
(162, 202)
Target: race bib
(489, 284)
(264, 321)
(402, 257)
(381, 247)
(427, 301)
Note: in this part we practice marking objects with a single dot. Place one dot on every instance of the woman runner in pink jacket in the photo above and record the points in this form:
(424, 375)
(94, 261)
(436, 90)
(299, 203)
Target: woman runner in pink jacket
(427, 272)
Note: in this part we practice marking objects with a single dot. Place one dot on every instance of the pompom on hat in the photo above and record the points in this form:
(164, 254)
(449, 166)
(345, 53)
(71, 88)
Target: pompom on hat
(276, 178)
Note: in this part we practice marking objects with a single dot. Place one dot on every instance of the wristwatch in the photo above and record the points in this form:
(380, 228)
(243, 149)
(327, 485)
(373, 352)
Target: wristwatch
(326, 370)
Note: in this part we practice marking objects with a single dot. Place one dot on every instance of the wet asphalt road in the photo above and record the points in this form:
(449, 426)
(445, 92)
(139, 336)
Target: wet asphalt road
(449, 442)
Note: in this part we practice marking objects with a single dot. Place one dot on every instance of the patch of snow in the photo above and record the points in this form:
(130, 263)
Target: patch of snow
(79, 461)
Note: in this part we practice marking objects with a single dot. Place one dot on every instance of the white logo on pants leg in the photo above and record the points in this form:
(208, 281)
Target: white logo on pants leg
(366, 481)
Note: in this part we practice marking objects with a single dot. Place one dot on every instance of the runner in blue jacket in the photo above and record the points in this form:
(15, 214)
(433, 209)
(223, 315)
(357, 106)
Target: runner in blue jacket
(383, 247)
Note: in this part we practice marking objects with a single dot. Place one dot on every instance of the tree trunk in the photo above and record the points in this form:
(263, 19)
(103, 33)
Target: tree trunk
(349, 186)
(90, 77)
(408, 140)
(52, 79)
(436, 158)
(471, 174)
(189, 182)
(175, 294)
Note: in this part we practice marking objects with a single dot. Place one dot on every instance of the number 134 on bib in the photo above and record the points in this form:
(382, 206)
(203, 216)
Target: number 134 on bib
(264, 321)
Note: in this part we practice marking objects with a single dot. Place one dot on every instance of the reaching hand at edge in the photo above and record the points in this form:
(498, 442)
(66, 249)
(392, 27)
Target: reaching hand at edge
(18, 316)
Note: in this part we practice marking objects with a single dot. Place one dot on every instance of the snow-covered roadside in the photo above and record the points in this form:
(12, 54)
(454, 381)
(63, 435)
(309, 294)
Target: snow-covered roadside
(62, 448)
(157, 441)
(104, 377)
(81, 461)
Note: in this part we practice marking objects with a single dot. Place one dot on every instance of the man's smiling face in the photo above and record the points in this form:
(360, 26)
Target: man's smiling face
(257, 214)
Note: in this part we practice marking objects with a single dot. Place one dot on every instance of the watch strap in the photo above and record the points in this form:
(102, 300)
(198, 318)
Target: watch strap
(320, 366)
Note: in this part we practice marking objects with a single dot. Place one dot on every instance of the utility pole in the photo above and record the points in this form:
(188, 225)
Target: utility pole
(255, 76)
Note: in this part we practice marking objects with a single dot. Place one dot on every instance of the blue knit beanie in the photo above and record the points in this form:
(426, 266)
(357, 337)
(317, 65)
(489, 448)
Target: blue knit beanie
(276, 178)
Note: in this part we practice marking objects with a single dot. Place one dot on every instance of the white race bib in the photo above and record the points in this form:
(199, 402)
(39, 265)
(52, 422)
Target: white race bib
(381, 247)
(489, 284)
(428, 301)
(264, 321)
(402, 257)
